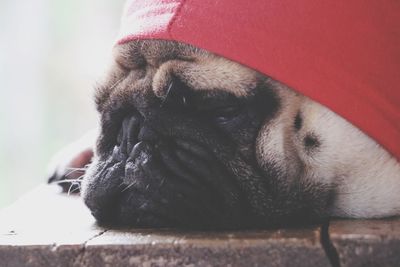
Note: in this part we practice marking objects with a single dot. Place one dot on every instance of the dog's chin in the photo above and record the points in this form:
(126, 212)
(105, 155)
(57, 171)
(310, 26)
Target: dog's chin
(163, 185)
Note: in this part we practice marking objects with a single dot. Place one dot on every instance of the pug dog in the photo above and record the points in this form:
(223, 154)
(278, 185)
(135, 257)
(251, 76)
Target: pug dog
(189, 139)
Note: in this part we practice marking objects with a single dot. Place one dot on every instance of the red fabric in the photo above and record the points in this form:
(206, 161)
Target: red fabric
(343, 54)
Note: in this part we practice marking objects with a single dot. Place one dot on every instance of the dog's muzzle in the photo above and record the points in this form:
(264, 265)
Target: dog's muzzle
(158, 175)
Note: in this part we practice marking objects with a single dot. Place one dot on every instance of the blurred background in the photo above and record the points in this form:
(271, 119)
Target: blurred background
(51, 54)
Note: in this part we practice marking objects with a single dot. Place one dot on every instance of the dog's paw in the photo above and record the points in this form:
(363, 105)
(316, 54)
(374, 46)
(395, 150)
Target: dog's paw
(69, 165)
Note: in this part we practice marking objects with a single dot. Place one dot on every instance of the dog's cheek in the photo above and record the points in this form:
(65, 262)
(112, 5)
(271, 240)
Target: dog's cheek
(275, 150)
(297, 192)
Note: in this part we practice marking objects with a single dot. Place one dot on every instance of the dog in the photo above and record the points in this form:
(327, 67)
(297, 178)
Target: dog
(190, 139)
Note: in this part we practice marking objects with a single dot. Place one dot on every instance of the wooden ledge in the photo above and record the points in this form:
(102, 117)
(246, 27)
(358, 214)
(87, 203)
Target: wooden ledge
(46, 228)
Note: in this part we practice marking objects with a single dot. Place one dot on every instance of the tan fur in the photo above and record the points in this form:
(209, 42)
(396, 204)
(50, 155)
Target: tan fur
(197, 68)
(208, 74)
(365, 177)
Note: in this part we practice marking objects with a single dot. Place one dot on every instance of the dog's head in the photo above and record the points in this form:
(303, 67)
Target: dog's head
(190, 139)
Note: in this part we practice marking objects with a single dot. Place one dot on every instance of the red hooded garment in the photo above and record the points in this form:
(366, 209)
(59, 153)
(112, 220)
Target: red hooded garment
(345, 54)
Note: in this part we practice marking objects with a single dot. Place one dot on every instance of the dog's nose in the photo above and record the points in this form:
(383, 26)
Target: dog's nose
(128, 135)
(133, 130)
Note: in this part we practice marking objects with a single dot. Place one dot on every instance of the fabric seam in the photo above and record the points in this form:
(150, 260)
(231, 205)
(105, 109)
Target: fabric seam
(177, 13)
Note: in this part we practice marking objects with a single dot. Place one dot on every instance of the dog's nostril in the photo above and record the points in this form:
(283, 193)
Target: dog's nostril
(120, 137)
(148, 134)
(128, 135)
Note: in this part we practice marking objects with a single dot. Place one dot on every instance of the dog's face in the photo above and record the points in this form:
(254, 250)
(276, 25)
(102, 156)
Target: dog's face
(189, 139)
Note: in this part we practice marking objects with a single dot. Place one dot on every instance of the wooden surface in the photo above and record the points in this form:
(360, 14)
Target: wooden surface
(46, 228)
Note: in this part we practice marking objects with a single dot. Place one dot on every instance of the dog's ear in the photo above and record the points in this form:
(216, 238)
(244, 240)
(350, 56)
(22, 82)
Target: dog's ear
(308, 142)
(365, 176)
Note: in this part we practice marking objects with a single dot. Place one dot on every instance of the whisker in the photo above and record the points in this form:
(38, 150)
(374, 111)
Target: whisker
(167, 94)
(68, 181)
(73, 171)
(77, 183)
(127, 187)
(77, 180)
(116, 83)
(71, 191)
(79, 169)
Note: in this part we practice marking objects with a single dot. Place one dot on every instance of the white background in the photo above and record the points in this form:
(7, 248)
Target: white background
(51, 54)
